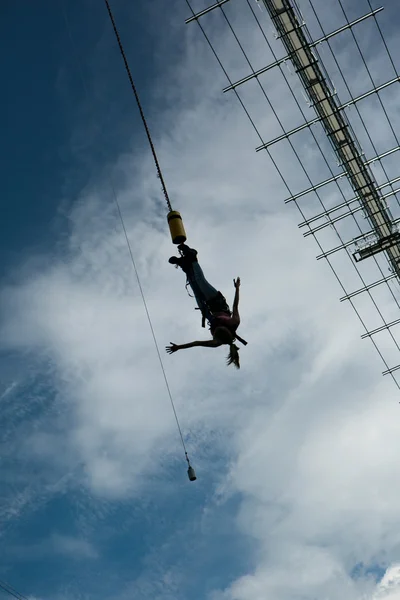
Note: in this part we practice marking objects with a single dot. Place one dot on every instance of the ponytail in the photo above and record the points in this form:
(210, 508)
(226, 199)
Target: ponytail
(233, 356)
(225, 336)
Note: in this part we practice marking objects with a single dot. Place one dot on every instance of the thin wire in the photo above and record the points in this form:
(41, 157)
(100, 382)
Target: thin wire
(159, 174)
(150, 322)
(290, 192)
(115, 197)
(6, 587)
(384, 41)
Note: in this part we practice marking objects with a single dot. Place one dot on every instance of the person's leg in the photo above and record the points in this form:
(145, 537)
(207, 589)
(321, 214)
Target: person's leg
(200, 286)
(202, 290)
(199, 283)
(207, 297)
(189, 264)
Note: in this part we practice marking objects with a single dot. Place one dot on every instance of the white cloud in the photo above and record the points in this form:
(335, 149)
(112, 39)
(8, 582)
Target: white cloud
(389, 587)
(8, 390)
(56, 544)
(308, 423)
(72, 547)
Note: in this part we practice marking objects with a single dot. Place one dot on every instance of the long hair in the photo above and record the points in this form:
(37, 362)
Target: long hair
(233, 356)
(226, 337)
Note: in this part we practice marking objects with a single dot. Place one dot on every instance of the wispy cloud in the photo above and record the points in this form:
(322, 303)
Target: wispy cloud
(71, 547)
(305, 434)
(8, 390)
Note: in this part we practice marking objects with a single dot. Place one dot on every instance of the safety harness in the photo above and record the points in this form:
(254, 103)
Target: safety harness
(217, 304)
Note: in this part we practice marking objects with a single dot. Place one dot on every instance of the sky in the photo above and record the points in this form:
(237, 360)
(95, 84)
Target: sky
(296, 453)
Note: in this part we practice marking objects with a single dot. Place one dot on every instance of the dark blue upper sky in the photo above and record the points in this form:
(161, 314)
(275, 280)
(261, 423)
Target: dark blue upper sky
(32, 42)
(63, 87)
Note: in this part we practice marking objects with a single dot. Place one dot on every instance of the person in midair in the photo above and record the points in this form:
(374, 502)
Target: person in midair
(222, 322)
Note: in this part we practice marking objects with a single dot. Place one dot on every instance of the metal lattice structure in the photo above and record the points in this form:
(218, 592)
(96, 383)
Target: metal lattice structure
(361, 182)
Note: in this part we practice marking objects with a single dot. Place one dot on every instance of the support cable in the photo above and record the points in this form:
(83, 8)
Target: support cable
(384, 42)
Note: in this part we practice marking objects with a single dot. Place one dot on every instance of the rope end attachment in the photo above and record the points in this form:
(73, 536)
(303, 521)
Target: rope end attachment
(191, 472)
(176, 227)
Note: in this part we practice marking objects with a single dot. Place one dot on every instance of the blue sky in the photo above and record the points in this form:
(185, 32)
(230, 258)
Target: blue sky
(67, 542)
(296, 458)
(31, 72)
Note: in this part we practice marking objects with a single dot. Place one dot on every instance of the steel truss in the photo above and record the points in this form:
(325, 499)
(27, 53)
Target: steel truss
(370, 199)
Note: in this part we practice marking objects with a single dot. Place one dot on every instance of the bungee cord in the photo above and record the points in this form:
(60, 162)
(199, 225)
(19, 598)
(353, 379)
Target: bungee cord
(159, 173)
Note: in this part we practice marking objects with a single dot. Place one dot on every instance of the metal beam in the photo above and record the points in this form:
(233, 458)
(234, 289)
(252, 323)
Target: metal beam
(336, 177)
(383, 243)
(353, 211)
(368, 287)
(355, 240)
(336, 111)
(325, 213)
(205, 11)
(312, 45)
(392, 370)
(379, 329)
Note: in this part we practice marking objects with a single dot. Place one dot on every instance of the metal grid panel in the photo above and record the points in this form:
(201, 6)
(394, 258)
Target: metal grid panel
(352, 202)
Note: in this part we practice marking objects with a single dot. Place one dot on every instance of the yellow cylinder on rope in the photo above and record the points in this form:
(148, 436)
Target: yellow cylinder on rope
(176, 227)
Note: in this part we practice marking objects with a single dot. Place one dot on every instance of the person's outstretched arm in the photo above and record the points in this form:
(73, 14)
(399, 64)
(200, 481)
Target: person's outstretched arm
(235, 308)
(207, 344)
